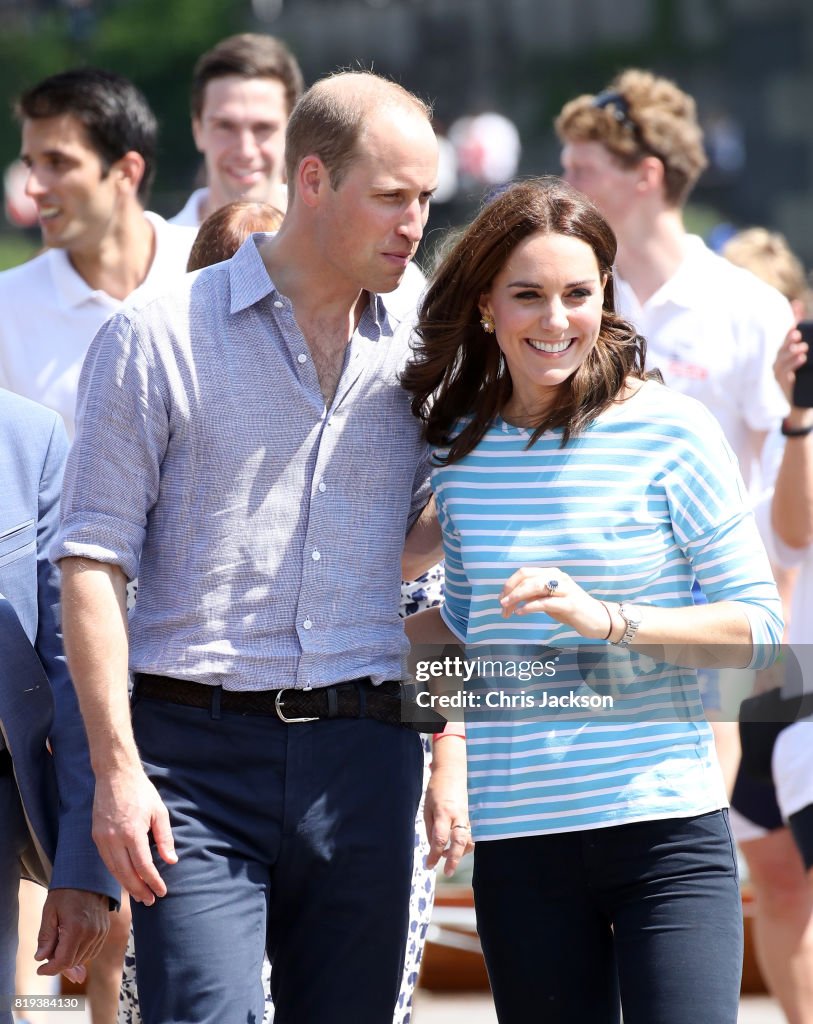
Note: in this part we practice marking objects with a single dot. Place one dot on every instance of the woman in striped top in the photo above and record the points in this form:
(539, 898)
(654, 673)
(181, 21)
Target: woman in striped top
(578, 501)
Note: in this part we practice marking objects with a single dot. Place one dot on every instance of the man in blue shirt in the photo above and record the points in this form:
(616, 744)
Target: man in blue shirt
(245, 448)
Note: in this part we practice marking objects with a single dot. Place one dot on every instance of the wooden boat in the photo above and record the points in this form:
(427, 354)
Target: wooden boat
(453, 959)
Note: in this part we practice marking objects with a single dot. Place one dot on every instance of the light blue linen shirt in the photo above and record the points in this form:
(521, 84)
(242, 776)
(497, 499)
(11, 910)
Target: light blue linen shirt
(265, 529)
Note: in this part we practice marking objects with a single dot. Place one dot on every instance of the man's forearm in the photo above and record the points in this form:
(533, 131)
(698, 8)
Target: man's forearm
(94, 619)
(423, 547)
(792, 507)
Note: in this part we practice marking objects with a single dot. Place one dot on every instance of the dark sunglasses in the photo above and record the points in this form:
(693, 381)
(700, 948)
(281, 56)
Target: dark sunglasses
(619, 107)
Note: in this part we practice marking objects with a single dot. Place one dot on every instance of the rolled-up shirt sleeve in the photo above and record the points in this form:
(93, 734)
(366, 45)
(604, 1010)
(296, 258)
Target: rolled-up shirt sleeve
(113, 471)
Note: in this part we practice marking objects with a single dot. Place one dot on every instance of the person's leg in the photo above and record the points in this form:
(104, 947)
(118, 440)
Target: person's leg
(671, 888)
(547, 944)
(31, 900)
(199, 949)
(105, 971)
(783, 921)
(129, 1011)
(340, 890)
(12, 832)
(421, 901)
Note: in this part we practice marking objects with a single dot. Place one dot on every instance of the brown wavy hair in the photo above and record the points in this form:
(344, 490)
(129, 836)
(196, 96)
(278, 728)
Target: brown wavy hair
(458, 372)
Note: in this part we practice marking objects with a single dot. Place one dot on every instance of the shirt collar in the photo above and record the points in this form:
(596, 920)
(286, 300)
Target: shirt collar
(71, 288)
(682, 287)
(250, 283)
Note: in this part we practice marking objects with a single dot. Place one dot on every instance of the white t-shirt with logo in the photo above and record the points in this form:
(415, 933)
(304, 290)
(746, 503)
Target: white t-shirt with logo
(713, 330)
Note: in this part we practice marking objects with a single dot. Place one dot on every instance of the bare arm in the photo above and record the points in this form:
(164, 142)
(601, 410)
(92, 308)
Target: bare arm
(716, 635)
(792, 507)
(422, 548)
(126, 806)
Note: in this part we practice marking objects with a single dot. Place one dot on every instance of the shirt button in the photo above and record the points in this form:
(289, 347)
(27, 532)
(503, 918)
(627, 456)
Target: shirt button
(302, 358)
(322, 486)
(279, 304)
(315, 555)
(307, 624)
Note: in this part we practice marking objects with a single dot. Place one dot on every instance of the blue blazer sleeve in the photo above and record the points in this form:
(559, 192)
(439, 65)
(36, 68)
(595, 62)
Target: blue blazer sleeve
(77, 864)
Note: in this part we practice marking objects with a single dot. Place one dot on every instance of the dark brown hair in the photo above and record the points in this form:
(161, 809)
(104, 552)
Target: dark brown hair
(459, 371)
(222, 234)
(248, 55)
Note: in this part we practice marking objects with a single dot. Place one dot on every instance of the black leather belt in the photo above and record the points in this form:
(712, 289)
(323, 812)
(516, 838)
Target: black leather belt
(357, 698)
(6, 766)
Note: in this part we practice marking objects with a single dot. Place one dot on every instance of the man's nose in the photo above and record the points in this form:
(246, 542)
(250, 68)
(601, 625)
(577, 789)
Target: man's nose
(413, 221)
(34, 186)
(246, 141)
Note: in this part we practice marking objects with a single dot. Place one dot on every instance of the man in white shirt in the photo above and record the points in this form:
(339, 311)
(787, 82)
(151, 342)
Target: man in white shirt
(243, 92)
(712, 329)
(88, 140)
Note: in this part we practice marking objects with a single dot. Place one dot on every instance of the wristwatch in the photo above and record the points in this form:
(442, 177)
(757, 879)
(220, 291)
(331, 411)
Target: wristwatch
(631, 614)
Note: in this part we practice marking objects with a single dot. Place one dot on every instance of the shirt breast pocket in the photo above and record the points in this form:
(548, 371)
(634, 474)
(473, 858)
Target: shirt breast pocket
(18, 541)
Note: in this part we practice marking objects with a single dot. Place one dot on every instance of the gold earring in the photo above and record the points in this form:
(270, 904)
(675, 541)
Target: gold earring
(487, 323)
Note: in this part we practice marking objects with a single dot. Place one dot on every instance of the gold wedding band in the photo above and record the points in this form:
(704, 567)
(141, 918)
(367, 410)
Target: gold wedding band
(461, 826)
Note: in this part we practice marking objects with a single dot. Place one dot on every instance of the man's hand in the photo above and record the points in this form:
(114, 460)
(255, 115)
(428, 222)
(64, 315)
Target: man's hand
(446, 810)
(126, 809)
(74, 926)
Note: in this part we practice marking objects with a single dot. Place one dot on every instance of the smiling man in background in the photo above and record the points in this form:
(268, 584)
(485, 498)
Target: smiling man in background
(243, 92)
(88, 140)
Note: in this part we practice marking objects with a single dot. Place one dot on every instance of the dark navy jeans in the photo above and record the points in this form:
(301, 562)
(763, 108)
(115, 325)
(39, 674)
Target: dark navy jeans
(295, 838)
(645, 915)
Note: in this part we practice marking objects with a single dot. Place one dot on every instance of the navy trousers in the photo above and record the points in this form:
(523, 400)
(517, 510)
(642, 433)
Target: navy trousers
(295, 838)
(646, 916)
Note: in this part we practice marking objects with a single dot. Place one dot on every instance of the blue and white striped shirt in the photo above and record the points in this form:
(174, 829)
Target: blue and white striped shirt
(266, 530)
(647, 497)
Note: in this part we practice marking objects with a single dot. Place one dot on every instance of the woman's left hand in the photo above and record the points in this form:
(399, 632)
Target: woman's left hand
(549, 590)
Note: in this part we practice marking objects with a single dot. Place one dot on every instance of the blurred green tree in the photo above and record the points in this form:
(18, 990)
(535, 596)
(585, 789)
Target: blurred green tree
(153, 42)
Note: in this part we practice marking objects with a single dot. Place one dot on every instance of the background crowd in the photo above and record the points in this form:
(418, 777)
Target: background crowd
(718, 327)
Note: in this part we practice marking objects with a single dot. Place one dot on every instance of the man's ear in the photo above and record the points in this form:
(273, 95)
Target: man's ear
(312, 180)
(130, 170)
(651, 174)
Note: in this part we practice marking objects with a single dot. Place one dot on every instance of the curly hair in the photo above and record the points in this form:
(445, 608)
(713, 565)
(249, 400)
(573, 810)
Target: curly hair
(768, 255)
(640, 115)
(458, 376)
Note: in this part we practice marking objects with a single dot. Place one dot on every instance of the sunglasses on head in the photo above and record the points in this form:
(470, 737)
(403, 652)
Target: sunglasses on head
(619, 107)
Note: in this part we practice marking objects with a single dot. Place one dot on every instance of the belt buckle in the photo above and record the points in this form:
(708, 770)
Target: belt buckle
(281, 714)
